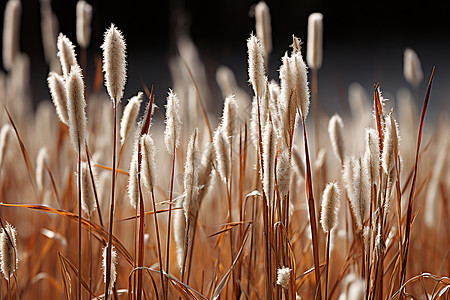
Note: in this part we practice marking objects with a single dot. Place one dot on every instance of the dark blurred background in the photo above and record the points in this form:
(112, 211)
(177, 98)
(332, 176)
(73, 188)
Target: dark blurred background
(363, 41)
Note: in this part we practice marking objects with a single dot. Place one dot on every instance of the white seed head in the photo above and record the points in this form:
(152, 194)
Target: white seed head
(88, 203)
(229, 117)
(347, 175)
(5, 135)
(390, 145)
(372, 154)
(132, 187)
(130, 114)
(172, 131)
(41, 160)
(269, 144)
(263, 27)
(335, 129)
(114, 63)
(283, 170)
(256, 71)
(76, 105)
(49, 29)
(57, 89)
(113, 267)
(330, 206)
(148, 164)
(191, 174)
(315, 39)
(11, 32)
(412, 68)
(360, 200)
(222, 149)
(283, 276)
(179, 227)
(8, 251)
(66, 54)
(84, 19)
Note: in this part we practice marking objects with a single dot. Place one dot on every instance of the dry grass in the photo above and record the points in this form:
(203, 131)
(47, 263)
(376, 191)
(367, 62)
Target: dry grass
(234, 212)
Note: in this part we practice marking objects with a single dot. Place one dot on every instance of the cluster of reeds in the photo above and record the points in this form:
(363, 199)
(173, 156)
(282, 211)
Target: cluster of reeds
(110, 201)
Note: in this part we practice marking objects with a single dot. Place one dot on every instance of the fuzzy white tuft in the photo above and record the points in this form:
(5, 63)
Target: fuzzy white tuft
(191, 174)
(173, 123)
(315, 39)
(66, 54)
(256, 71)
(269, 144)
(132, 187)
(41, 160)
(11, 32)
(335, 128)
(283, 170)
(113, 267)
(148, 164)
(8, 251)
(263, 27)
(330, 206)
(83, 25)
(130, 113)
(88, 203)
(283, 276)
(412, 68)
(57, 89)
(222, 149)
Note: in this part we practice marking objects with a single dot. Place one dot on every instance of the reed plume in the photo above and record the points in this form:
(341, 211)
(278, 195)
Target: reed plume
(335, 128)
(130, 114)
(66, 54)
(57, 89)
(83, 24)
(11, 33)
(8, 251)
(314, 43)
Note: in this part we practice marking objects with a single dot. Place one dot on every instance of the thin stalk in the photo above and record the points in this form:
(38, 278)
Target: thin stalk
(79, 221)
(158, 242)
(111, 212)
(327, 264)
(169, 220)
(141, 230)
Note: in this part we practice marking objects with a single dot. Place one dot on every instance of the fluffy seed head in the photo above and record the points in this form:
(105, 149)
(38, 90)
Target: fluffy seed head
(335, 128)
(41, 160)
(148, 167)
(66, 54)
(222, 148)
(88, 203)
(229, 117)
(283, 170)
(283, 275)
(11, 32)
(330, 206)
(315, 38)
(76, 105)
(84, 18)
(372, 154)
(114, 63)
(412, 68)
(269, 144)
(263, 27)
(390, 146)
(113, 267)
(191, 174)
(256, 71)
(130, 113)
(57, 89)
(5, 135)
(173, 123)
(132, 187)
(8, 251)
(360, 200)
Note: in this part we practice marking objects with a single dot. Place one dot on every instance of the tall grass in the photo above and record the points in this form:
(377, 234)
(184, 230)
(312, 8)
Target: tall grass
(198, 207)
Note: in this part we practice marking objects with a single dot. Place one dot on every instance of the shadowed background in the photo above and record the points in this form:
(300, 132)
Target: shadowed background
(362, 43)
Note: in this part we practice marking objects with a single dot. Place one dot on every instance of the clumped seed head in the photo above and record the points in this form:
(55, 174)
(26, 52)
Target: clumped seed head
(330, 206)
(335, 128)
(132, 187)
(57, 89)
(283, 276)
(191, 174)
(283, 170)
(269, 144)
(315, 39)
(173, 123)
(130, 113)
(390, 145)
(256, 71)
(8, 251)
(88, 203)
(263, 27)
(84, 18)
(222, 148)
(66, 54)
(360, 200)
(76, 105)
(412, 68)
(372, 154)
(114, 63)
(148, 167)
(113, 267)
(229, 117)
(41, 160)
(11, 32)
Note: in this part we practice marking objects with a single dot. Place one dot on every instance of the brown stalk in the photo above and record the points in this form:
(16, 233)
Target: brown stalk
(312, 212)
(169, 218)
(158, 244)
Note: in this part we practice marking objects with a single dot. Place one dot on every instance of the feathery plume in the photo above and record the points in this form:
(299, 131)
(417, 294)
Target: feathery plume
(263, 27)
(114, 63)
(173, 123)
(222, 148)
(191, 174)
(412, 68)
(57, 89)
(41, 160)
(5, 135)
(283, 170)
(179, 227)
(372, 154)
(113, 267)
(83, 25)
(132, 187)
(66, 54)
(335, 128)
(49, 29)
(360, 200)
(390, 146)
(347, 175)
(148, 167)
(76, 105)
(269, 144)
(8, 251)
(130, 113)
(229, 118)
(11, 32)
(256, 71)
(88, 203)
(330, 206)
(315, 38)
(283, 275)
